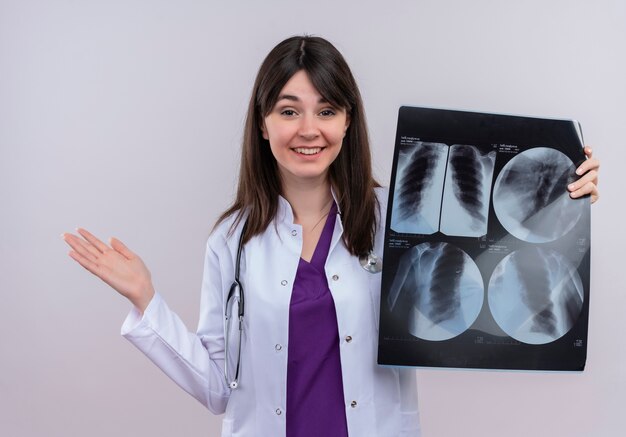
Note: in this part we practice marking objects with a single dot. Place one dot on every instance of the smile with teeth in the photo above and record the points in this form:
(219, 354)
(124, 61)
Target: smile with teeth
(308, 150)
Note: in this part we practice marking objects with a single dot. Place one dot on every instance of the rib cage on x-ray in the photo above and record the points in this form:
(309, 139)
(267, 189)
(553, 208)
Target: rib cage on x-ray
(535, 295)
(467, 191)
(417, 194)
(466, 171)
(428, 198)
(443, 287)
(530, 196)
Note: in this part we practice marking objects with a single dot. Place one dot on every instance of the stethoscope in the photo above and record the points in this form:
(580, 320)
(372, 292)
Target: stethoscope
(371, 263)
(235, 294)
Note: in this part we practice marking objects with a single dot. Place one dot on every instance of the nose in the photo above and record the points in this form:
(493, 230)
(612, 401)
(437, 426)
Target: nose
(308, 128)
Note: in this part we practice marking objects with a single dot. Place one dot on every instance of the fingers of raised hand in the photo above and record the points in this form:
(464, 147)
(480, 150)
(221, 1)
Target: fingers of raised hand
(95, 242)
(86, 263)
(82, 247)
(83, 253)
(121, 248)
(91, 253)
(116, 265)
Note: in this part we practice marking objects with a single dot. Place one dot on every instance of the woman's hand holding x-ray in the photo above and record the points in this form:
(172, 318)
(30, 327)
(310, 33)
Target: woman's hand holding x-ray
(588, 182)
(116, 265)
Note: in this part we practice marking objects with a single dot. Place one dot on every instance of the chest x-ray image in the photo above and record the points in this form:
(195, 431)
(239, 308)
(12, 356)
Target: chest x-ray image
(535, 295)
(530, 196)
(443, 288)
(486, 257)
(442, 188)
(417, 200)
(467, 190)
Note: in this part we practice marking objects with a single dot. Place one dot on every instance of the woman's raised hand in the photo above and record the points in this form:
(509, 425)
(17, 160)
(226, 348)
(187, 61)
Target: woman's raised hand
(588, 182)
(116, 265)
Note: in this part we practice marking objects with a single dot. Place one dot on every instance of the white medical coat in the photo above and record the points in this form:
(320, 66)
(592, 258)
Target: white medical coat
(379, 401)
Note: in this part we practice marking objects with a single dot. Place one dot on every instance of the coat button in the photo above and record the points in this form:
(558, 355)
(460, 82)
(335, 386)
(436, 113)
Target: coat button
(283, 282)
(335, 277)
(279, 411)
(353, 404)
(348, 339)
(294, 232)
(278, 347)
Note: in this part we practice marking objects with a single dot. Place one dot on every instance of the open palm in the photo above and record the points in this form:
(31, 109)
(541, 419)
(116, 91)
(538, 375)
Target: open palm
(116, 265)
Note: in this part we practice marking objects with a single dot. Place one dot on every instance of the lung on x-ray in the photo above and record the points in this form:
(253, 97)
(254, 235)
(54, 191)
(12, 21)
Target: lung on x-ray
(445, 289)
(442, 188)
(542, 214)
(486, 257)
(535, 295)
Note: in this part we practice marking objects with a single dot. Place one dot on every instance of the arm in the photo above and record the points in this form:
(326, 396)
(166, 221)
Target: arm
(193, 361)
(404, 268)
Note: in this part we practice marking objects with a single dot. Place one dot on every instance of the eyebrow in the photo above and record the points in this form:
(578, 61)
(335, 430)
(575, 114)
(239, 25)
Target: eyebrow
(296, 98)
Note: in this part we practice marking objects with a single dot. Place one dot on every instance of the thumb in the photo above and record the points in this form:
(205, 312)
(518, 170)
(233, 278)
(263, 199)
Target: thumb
(118, 246)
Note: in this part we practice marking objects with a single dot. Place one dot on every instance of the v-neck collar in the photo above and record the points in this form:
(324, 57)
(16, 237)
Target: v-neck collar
(318, 259)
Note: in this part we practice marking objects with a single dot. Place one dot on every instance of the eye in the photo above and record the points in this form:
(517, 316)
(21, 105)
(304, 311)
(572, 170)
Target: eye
(328, 112)
(288, 112)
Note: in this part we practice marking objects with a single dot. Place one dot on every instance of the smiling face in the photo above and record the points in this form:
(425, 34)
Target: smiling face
(305, 131)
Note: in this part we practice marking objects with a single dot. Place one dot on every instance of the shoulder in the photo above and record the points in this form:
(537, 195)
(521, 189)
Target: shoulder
(225, 233)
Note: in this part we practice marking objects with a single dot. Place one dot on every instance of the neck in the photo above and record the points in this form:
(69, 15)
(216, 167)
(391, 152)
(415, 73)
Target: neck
(309, 201)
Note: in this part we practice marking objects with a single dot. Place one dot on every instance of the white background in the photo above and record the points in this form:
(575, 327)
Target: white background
(125, 117)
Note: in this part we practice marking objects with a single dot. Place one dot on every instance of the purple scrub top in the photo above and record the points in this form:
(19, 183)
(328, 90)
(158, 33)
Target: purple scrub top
(315, 401)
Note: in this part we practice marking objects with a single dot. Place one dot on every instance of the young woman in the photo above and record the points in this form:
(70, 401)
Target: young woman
(308, 213)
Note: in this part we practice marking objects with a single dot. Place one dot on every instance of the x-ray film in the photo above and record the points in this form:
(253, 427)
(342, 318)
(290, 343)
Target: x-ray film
(486, 257)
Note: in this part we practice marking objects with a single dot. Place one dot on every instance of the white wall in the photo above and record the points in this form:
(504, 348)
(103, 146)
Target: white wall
(125, 117)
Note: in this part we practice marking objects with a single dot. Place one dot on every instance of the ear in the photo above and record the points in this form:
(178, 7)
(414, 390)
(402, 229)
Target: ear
(345, 128)
(264, 131)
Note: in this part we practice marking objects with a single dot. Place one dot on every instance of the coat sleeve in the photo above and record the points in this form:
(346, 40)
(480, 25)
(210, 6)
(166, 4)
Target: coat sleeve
(195, 361)
(408, 399)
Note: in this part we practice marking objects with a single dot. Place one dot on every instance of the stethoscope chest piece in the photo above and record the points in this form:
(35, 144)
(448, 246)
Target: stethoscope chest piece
(371, 263)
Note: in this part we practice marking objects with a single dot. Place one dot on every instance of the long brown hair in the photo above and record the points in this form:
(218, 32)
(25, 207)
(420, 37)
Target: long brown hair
(351, 172)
